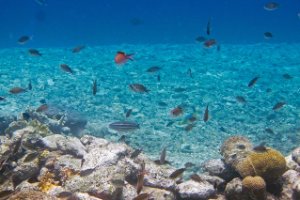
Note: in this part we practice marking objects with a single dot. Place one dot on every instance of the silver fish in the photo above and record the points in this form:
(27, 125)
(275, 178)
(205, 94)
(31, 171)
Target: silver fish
(124, 126)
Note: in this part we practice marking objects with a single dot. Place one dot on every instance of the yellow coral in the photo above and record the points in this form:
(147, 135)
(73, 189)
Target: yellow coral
(47, 182)
(269, 164)
(254, 187)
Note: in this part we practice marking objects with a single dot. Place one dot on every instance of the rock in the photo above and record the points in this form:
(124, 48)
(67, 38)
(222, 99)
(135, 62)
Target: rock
(31, 195)
(291, 182)
(296, 155)
(291, 164)
(85, 196)
(233, 189)
(26, 186)
(290, 177)
(91, 142)
(216, 181)
(68, 161)
(218, 167)
(50, 141)
(15, 125)
(194, 190)
(6, 188)
(5, 121)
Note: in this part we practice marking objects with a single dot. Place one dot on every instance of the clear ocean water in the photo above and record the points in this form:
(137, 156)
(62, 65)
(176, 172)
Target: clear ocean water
(163, 34)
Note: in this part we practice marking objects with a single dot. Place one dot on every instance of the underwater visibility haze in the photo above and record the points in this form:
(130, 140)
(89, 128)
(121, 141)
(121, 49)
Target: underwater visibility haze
(156, 74)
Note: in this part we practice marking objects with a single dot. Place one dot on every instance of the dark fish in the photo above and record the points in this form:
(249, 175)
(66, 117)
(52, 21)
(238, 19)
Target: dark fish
(17, 90)
(2, 98)
(94, 87)
(177, 173)
(42, 108)
(170, 123)
(128, 113)
(138, 88)
(23, 39)
(219, 48)
(29, 85)
(66, 195)
(189, 127)
(208, 29)
(124, 126)
(78, 48)
(189, 73)
(269, 130)
(162, 103)
(140, 178)
(122, 139)
(206, 114)
(66, 68)
(189, 165)
(136, 21)
(153, 69)
(17, 145)
(196, 177)
(261, 147)
(287, 76)
(43, 101)
(253, 81)
(26, 116)
(30, 157)
(136, 153)
(269, 90)
(177, 111)
(200, 39)
(209, 43)
(179, 89)
(142, 196)
(240, 99)
(271, 6)
(158, 78)
(34, 52)
(278, 105)
(268, 35)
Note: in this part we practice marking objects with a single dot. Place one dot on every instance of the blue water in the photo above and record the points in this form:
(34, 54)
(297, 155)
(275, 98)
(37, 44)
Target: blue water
(159, 33)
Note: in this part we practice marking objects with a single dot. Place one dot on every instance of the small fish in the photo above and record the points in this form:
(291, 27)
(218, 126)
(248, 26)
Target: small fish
(78, 49)
(170, 123)
(136, 21)
(177, 111)
(278, 105)
(163, 155)
(162, 104)
(219, 48)
(177, 173)
(140, 178)
(189, 73)
(2, 98)
(287, 76)
(179, 89)
(142, 196)
(269, 90)
(136, 153)
(189, 165)
(196, 177)
(128, 113)
(209, 43)
(124, 126)
(94, 87)
(42, 108)
(122, 57)
(17, 90)
(253, 81)
(268, 35)
(206, 114)
(23, 39)
(158, 78)
(271, 6)
(240, 99)
(200, 39)
(66, 68)
(189, 127)
(153, 69)
(26, 116)
(29, 85)
(139, 88)
(269, 130)
(34, 52)
(208, 29)
(31, 156)
(261, 147)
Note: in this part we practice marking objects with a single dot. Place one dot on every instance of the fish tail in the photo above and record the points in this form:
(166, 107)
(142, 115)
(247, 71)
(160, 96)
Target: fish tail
(130, 57)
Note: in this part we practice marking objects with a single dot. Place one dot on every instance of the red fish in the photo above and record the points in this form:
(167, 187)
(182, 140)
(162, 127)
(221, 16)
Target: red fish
(209, 43)
(177, 111)
(17, 90)
(122, 57)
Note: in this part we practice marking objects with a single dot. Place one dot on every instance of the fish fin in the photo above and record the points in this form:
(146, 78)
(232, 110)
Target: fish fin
(130, 57)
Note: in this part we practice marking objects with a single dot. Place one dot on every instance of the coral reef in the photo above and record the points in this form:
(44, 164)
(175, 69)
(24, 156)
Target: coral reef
(254, 187)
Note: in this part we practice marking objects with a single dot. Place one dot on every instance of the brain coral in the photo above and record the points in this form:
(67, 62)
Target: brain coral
(254, 187)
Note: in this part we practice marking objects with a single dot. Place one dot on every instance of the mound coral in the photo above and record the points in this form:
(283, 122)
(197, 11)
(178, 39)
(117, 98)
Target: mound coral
(269, 164)
(254, 187)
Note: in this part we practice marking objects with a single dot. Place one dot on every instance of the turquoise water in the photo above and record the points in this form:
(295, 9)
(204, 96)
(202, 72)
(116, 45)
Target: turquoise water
(218, 77)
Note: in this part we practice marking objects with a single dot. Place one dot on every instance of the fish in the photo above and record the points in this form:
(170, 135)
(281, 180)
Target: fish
(170, 123)
(153, 69)
(196, 177)
(261, 147)
(17, 90)
(77, 49)
(268, 35)
(253, 81)
(287, 76)
(26, 116)
(162, 104)
(139, 88)
(128, 113)
(177, 111)
(136, 153)
(2, 98)
(122, 57)
(278, 105)
(200, 39)
(191, 117)
(269, 90)
(140, 178)
(189, 127)
(158, 78)
(66, 68)
(122, 139)
(206, 114)
(34, 52)
(163, 155)
(31, 156)
(124, 126)
(179, 89)
(142, 196)
(269, 130)
(29, 85)
(23, 39)
(219, 48)
(189, 73)
(189, 165)
(209, 43)
(94, 87)
(177, 173)
(42, 108)
(271, 6)
(240, 99)
(208, 29)
(136, 21)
